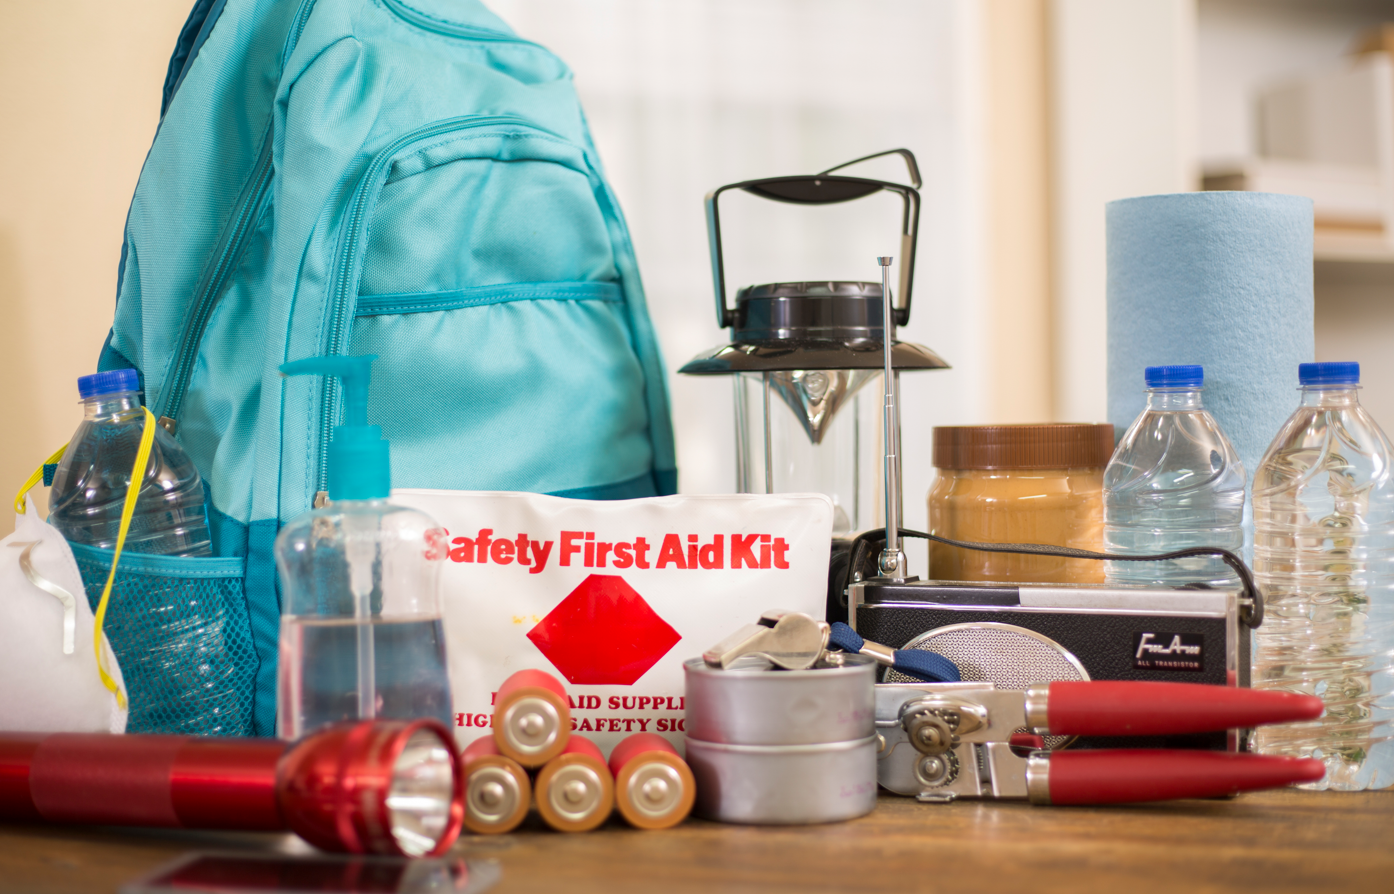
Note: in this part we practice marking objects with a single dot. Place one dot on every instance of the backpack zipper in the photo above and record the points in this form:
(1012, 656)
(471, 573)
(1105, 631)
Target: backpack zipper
(454, 29)
(229, 255)
(341, 298)
(297, 28)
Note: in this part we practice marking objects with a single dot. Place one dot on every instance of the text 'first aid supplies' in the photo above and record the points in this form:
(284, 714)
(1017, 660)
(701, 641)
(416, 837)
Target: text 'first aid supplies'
(671, 722)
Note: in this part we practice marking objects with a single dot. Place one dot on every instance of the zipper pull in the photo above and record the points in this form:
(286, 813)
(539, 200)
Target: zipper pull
(321, 499)
(168, 424)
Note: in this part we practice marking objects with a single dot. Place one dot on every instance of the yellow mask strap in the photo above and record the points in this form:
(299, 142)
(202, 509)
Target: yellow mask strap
(128, 510)
(21, 504)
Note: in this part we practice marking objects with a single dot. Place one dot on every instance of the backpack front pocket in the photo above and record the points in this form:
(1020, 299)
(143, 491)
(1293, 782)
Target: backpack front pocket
(516, 387)
(478, 262)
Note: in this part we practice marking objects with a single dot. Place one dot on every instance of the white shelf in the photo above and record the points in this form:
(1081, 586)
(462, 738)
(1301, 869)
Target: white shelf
(1358, 249)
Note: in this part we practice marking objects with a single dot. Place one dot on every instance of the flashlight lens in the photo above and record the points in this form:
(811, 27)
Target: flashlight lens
(419, 799)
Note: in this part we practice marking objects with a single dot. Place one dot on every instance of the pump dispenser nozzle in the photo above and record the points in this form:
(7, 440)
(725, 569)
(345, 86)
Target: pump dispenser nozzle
(359, 461)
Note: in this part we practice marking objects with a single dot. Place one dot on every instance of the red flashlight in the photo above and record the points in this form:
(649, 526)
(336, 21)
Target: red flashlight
(387, 787)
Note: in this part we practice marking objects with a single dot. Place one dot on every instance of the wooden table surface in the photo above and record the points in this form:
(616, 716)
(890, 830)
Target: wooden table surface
(1270, 842)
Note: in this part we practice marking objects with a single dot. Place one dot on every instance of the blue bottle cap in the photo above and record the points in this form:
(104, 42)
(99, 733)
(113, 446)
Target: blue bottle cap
(113, 381)
(1174, 376)
(1328, 374)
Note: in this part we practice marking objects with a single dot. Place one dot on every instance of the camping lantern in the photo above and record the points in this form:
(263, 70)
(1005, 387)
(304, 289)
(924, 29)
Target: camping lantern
(807, 360)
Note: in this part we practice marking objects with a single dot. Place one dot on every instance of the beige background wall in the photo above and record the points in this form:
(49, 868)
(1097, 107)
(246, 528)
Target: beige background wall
(1016, 80)
(1122, 78)
(79, 100)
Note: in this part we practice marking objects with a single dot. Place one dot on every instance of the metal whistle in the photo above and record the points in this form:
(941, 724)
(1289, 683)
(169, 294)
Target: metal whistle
(791, 640)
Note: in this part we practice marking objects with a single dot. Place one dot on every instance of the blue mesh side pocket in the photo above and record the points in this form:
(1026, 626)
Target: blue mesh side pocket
(180, 631)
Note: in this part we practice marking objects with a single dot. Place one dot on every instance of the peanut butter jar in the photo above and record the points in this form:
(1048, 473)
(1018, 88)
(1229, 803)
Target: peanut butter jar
(1019, 484)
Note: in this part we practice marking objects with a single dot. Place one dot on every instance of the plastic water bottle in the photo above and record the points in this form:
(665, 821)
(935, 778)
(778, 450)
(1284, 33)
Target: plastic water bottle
(89, 488)
(1174, 482)
(1324, 558)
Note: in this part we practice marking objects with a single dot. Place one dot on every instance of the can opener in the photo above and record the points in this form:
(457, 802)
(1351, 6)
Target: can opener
(795, 641)
(964, 740)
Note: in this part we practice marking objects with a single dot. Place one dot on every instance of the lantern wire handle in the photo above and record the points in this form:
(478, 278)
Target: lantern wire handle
(892, 561)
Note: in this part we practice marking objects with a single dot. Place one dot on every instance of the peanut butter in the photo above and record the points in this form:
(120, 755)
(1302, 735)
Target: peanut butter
(996, 484)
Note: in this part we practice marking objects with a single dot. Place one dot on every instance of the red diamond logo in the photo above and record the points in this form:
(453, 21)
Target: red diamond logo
(603, 633)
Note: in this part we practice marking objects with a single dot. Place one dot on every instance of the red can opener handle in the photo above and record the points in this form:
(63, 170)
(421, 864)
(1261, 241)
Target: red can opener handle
(1135, 775)
(1122, 708)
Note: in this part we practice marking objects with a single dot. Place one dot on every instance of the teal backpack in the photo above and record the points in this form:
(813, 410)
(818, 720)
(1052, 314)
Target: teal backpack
(410, 180)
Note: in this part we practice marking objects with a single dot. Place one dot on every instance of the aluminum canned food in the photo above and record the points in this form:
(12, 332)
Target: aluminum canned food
(784, 784)
(750, 703)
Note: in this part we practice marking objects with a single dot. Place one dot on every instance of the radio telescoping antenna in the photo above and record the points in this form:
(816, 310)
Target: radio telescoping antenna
(892, 561)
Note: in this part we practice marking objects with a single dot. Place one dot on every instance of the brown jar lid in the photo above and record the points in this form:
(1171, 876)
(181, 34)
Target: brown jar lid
(1062, 445)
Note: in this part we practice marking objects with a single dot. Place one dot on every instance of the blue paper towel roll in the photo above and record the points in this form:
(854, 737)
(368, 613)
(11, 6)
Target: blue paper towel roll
(1223, 279)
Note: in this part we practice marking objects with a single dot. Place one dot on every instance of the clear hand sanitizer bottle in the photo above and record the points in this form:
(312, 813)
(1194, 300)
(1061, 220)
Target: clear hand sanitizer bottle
(361, 629)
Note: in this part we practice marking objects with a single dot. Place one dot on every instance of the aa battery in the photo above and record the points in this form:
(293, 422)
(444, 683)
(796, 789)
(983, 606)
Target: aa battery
(532, 720)
(575, 792)
(497, 789)
(654, 788)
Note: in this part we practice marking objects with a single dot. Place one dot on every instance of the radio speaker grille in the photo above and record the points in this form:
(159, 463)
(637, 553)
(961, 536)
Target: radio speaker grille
(1005, 655)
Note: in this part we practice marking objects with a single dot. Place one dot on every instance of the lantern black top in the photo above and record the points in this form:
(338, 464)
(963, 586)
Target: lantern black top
(809, 310)
(815, 325)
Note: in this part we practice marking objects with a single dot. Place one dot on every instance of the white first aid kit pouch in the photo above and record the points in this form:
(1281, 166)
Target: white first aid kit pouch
(612, 597)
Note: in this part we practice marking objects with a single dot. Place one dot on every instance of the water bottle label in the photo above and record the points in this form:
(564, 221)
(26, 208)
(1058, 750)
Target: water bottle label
(1163, 651)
